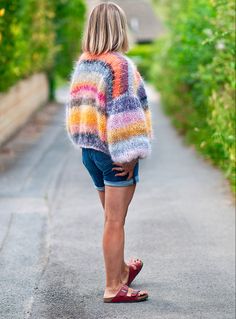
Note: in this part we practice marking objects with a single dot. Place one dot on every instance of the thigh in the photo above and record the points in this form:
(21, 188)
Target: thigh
(101, 195)
(117, 200)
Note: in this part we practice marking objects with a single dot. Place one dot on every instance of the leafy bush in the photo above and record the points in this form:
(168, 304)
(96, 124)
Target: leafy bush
(38, 36)
(195, 62)
(141, 54)
(26, 39)
(69, 21)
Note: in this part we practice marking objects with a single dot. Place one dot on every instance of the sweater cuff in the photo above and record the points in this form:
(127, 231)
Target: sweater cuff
(126, 151)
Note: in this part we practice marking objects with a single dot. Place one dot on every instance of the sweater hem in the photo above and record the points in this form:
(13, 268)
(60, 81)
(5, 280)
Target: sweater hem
(92, 147)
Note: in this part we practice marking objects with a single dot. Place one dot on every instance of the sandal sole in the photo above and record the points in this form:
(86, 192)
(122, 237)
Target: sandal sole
(109, 300)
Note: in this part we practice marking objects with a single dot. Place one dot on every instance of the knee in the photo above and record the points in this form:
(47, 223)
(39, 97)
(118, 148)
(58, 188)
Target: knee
(114, 224)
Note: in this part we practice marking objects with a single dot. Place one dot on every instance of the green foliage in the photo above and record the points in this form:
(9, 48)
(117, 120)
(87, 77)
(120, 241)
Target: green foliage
(195, 62)
(38, 36)
(69, 21)
(26, 39)
(141, 54)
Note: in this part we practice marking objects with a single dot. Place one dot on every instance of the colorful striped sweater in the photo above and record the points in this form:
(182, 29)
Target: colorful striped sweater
(107, 108)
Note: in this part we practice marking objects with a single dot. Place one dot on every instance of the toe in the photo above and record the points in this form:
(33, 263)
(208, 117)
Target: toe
(143, 292)
(138, 260)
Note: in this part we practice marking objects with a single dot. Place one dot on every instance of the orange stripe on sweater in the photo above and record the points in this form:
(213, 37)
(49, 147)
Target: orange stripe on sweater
(148, 119)
(87, 116)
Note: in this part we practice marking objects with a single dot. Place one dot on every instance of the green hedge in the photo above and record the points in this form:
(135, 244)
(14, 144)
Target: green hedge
(27, 39)
(38, 36)
(141, 54)
(194, 68)
(69, 21)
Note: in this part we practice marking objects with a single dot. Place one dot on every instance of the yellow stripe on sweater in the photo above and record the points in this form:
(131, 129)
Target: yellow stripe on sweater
(124, 133)
(148, 118)
(87, 115)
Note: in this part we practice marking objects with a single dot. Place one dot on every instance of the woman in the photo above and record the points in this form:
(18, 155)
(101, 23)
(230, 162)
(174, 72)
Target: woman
(108, 117)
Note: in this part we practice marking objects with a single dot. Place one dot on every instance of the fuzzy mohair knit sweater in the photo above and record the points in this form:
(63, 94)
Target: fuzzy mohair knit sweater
(107, 109)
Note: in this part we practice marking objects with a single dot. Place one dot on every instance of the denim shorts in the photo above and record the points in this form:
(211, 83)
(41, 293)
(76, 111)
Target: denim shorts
(99, 166)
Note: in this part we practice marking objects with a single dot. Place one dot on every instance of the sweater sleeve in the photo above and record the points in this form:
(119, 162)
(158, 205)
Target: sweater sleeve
(142, 95)
(68, 106)
(129, 129)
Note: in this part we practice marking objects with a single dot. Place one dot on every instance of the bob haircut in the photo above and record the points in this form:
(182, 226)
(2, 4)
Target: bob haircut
(106, 30)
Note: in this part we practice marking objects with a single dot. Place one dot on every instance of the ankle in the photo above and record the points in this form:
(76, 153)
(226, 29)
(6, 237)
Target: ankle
(125, 269)
(113, 285)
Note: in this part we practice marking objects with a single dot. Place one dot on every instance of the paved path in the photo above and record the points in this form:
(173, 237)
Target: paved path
(180, 222)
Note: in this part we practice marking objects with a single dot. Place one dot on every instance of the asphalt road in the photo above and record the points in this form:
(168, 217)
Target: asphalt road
(180, 223)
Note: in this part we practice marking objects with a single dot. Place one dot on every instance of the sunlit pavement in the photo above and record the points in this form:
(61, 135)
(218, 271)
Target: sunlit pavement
(180, 223)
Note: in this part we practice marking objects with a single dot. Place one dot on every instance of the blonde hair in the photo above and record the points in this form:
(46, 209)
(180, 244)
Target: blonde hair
(106, 30)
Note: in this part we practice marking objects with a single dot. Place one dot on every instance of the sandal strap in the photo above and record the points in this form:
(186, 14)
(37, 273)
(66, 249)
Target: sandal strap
(135, 293)
(121, 296)
(133, 271)
(133, 266)
(123, 291)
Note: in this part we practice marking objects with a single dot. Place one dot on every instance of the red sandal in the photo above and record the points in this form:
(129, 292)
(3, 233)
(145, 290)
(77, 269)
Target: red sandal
(121, 296)
(135, 265)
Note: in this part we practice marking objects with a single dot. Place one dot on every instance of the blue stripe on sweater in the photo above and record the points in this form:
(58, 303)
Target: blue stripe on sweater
(123, 103)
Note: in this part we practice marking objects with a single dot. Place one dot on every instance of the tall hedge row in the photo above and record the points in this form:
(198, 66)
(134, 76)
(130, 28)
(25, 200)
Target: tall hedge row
(194, 69)
(38, 36)
(69, 21)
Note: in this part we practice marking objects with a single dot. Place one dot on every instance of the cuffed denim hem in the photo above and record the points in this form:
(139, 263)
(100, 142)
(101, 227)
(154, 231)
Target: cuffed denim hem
(101, 189)
(131, 181)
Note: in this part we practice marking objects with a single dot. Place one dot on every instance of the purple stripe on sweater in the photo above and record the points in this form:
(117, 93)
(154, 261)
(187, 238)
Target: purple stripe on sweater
(83, 100)
(90, 139)
(126, 118)
(124, 77)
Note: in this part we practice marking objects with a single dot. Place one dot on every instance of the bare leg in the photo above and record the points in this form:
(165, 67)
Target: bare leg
(102, 198)
(124, 267)
(117, 200)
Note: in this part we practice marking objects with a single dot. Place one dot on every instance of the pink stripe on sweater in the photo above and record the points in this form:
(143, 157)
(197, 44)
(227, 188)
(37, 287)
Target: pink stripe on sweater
(125, 118)
(89, 88)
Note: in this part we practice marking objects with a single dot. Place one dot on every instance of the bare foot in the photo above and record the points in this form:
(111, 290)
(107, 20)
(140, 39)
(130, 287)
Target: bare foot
(133, 261)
